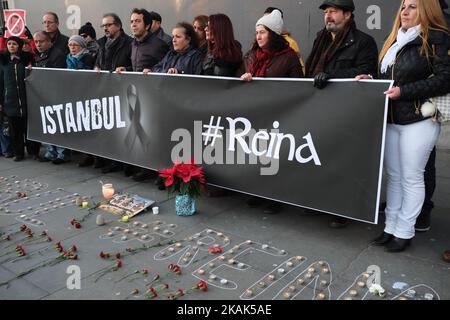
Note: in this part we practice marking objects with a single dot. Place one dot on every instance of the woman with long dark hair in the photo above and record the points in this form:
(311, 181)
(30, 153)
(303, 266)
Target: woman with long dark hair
(13, 99)
(224, 55)
(270, 55)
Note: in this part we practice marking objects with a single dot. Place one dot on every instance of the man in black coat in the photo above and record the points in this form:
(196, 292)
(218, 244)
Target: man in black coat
(50, 21)
(146, 48)
(340, 49)
(146, 51)
(114, 51)
(115, 46)
(158, 30)
(49, 56)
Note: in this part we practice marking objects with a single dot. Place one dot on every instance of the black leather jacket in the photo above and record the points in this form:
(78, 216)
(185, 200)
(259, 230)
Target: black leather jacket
(412, 73)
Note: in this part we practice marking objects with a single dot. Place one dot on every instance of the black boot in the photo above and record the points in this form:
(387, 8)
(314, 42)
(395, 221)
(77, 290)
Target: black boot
(87, 161)
(382, 239)
(398, 245)
(112, 167)
(99, 162)
(423, 222)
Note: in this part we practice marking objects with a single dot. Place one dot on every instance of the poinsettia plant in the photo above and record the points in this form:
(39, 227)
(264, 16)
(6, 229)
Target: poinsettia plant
(184, 179)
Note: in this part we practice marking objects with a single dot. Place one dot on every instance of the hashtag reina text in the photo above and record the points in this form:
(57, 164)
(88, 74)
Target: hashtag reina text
(240, 128)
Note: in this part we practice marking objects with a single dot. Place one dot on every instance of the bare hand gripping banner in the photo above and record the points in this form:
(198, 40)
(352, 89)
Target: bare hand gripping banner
(280, 139)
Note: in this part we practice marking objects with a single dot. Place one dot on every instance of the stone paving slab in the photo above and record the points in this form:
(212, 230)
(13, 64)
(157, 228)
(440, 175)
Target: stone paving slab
(292, 255)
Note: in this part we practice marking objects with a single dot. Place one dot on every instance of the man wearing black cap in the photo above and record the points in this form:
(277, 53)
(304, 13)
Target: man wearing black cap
(340, 51)
(156, 28)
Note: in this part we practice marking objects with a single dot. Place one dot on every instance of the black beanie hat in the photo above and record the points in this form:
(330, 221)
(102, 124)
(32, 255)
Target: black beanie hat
(89, 30)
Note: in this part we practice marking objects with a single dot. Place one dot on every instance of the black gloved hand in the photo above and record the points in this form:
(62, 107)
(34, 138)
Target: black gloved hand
(321, 80)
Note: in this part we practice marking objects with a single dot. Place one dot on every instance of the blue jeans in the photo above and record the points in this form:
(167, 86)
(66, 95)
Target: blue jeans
(5, 142)
(54, 152)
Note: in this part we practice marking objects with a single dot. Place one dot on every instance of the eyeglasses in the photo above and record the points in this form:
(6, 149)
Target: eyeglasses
(84, 35)
(107, 25)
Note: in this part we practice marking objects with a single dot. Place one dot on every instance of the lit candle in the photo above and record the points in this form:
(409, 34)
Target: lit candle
(108, 191)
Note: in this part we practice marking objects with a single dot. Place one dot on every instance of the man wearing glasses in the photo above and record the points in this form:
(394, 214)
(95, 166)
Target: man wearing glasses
(115, 46)
(50, 23)
(114, 51)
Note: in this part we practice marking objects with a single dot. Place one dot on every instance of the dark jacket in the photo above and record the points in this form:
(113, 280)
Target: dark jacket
(53, 58)
(164, 37)
(86, 62)
(189, 61)
(61, 42)
(148, 52)
(13, 97)
(357, 55)
(412, 71)
(220, 68)
(286, 65)
(118, 55)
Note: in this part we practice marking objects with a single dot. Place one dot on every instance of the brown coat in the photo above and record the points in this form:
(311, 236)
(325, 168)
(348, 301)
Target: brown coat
(286, 65)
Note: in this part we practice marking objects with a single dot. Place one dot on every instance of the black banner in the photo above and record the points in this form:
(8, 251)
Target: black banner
(281, 139)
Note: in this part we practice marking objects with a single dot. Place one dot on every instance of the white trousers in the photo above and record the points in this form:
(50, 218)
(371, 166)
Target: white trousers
(408, 148)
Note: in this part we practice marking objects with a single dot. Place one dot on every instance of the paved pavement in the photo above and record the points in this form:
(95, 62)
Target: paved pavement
(290, 255)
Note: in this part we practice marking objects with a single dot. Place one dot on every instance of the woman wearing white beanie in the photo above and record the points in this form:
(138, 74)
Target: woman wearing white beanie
(270, 55)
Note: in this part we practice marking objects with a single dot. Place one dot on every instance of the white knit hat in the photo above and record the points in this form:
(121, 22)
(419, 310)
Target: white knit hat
(273, 21)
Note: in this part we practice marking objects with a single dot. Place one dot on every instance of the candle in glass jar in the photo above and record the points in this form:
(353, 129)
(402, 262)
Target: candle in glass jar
(108, 191)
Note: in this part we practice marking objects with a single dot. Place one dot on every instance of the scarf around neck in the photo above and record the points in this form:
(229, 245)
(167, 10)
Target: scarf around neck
(403, 38)
(263, 59)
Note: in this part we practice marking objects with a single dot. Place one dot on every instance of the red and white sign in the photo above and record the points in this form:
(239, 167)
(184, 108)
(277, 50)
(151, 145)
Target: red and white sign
(15, 22)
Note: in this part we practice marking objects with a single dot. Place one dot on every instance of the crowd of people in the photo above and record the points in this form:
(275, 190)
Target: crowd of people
(415, 55)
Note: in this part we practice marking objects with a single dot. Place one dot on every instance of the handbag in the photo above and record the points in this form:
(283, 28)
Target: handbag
(437, 107)
(442, 104)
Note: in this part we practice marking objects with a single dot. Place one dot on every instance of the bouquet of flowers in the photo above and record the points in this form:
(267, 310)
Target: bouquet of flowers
(184, 179)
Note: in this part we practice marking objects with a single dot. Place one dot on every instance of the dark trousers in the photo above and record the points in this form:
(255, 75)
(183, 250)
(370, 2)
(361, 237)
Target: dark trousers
(430, 183)
(18, 126)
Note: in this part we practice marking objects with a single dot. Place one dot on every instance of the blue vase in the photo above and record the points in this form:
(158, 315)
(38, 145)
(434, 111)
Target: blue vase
(184, 205)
